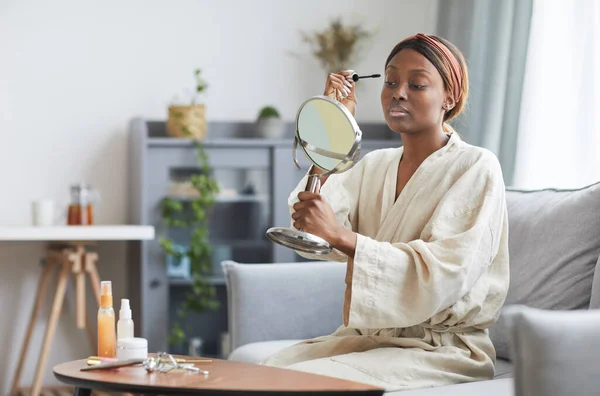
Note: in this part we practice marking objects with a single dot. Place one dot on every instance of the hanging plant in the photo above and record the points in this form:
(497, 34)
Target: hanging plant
(201, 295)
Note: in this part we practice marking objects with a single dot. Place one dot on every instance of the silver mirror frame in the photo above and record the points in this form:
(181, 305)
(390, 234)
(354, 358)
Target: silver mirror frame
(297, 239)
(352, 155)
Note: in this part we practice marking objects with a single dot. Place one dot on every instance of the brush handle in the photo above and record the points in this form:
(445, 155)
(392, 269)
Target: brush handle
(356, 77)
(113, 365)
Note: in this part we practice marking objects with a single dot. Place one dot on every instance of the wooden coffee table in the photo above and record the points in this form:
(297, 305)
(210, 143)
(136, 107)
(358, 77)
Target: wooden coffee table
(225, 378)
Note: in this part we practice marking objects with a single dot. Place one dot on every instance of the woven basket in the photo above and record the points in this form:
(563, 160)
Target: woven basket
(187, 122)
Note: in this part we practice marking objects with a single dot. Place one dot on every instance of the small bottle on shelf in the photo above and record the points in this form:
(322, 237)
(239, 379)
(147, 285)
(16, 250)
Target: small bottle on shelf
(107, 337)
(125, 323)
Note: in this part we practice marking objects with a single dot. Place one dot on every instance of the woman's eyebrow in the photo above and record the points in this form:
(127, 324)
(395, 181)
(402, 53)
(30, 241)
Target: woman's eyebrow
(414, 71)
(420, 71)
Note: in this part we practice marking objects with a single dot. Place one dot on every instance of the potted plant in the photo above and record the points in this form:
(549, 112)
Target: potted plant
(269, 124)
(189, 120)
(337, 46)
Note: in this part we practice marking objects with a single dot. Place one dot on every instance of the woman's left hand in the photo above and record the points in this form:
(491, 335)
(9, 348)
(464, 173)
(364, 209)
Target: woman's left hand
(313, 214)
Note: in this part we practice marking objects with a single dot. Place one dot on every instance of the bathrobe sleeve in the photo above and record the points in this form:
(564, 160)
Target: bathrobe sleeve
(393, 285)
(342, 192)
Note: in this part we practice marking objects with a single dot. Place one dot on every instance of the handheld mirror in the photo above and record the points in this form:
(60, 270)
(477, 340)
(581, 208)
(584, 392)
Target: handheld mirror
(330, 137)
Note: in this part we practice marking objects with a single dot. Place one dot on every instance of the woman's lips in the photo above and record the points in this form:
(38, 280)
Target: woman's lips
(398, 111)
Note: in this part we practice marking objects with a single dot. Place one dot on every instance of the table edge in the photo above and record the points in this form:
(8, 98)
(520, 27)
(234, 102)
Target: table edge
(151, 390)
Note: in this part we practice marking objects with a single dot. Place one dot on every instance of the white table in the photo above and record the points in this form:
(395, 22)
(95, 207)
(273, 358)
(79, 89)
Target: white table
(76, 233)
(66, 251)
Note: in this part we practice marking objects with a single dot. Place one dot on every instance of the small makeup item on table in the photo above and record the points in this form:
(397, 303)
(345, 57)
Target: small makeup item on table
(164, 363)
(107, 335)
(125, 323)
(111, 365)
(132, 348)
(96, 360)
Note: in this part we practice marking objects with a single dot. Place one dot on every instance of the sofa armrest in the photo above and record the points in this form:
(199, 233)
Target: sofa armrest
(595, 298)
(280, 301)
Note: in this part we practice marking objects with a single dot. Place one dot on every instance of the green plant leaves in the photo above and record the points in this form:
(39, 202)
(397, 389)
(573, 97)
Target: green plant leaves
(177, 335)
(268, 112)
(201, 85)
(202, 294)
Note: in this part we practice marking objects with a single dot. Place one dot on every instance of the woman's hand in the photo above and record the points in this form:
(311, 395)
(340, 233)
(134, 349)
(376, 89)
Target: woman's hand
(315, 215)
(340, 86)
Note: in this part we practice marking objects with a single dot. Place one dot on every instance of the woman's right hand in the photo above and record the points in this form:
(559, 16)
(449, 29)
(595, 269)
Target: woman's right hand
(339, 85)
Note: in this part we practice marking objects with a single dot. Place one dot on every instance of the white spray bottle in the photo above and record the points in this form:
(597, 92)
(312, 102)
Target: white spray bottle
(125, 323)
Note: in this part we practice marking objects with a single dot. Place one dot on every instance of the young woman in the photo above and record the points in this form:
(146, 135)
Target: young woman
(423, 229)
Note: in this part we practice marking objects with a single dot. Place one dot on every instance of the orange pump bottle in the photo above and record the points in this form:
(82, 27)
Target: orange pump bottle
(107, 336)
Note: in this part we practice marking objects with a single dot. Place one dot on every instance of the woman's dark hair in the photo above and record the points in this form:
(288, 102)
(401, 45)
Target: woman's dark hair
(443, 67)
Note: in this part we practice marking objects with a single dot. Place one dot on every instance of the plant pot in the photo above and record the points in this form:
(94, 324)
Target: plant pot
(270, 128)
(187, 122)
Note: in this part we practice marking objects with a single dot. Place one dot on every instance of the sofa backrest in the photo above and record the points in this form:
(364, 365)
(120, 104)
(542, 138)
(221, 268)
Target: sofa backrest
(554, 248)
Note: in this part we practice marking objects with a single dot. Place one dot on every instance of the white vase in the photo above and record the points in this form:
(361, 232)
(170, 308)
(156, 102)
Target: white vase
(270, 128)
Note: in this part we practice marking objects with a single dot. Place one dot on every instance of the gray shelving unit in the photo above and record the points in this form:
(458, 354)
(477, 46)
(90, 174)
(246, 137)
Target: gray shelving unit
(237, 227)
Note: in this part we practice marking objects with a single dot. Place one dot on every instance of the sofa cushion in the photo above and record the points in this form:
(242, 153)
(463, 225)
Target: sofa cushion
(554, 352)
(503, 369)
(500, 387)
(554, 245)
(256, 352)
(283, 301)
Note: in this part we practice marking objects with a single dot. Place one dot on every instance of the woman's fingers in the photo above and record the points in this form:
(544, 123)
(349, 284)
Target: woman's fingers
(336, 89)
(347, 74)
(307, 196)
(338, 84)
(301, 220)
(341, 84)
(305, 208)
(341, 79)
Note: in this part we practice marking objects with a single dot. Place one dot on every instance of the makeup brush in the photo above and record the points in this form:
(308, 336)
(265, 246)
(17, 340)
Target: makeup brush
(356, 77)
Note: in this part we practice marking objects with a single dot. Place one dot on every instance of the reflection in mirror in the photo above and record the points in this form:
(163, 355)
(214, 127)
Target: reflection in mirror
(327, 133)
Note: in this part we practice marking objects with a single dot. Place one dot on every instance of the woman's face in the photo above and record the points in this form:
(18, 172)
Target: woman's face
(413, 93)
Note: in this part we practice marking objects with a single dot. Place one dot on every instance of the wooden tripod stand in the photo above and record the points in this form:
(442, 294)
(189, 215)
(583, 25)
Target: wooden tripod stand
(70, 258)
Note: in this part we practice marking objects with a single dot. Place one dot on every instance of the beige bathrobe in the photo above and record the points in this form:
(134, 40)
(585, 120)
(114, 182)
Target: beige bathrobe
(429, 276)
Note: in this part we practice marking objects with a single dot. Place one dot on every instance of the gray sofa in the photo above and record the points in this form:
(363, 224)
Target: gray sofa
(554, 242)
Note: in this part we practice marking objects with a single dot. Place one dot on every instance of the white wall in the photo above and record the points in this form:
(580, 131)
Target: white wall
(72, 73)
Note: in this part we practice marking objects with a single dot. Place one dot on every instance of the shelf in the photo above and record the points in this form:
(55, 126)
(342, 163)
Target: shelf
(212, 280)
(232, 142)
(225, 199)
(248, 142)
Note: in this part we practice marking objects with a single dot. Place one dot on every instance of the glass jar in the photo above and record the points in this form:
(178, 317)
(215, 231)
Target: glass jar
(81, 208)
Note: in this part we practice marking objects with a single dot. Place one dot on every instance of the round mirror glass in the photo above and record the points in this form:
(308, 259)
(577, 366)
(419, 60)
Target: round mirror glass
(327, 133)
